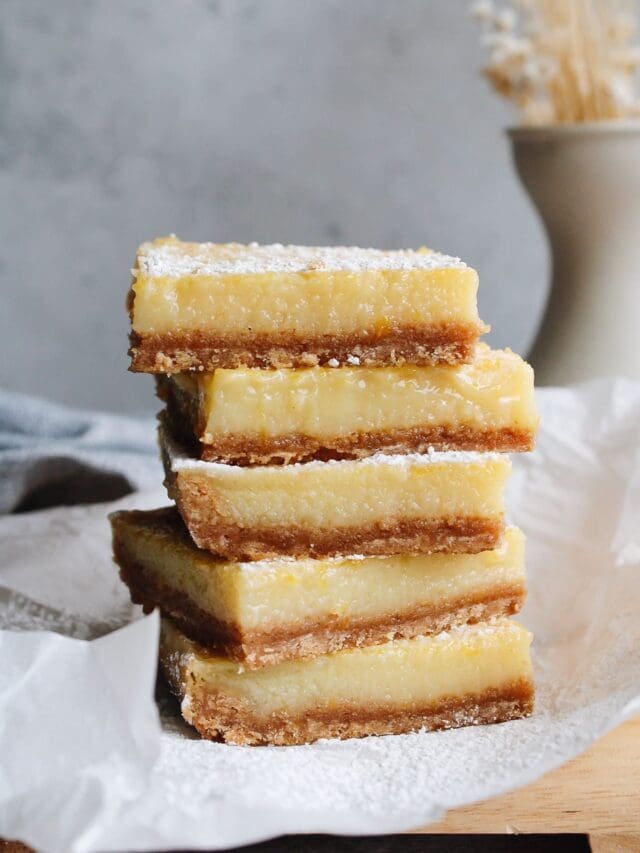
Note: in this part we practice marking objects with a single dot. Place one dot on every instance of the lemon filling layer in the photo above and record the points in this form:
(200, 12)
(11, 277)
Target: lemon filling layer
(348, 493)
(414, 673)
(280, 594)
(228, 289)
(492, 393)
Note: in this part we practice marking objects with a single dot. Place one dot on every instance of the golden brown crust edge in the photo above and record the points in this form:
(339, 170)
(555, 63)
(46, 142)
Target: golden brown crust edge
(431, 344)
(256, 649)
(211, 530)
(255, 449)
(385, 538)
(221, 717)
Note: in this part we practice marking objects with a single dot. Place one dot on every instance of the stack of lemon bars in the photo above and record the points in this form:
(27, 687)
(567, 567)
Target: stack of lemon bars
(335, 440)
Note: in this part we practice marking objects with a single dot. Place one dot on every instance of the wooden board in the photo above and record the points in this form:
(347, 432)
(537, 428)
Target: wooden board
(597, 793)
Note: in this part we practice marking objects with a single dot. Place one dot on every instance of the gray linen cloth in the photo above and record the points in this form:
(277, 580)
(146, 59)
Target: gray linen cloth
(51, 454)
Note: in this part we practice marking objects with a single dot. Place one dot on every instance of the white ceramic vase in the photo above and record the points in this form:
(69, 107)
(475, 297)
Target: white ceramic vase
(585, 182)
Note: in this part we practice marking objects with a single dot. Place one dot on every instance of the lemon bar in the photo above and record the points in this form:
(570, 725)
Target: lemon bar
(383, 504)
(467, 676)
(253, 416)
(207, 305)
(268, 611)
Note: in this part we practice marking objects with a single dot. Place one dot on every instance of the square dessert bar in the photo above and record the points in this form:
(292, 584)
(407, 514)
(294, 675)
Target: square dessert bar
(467, 676)
(264, 612)
(380, 505)
(206, 305)
(253, 416)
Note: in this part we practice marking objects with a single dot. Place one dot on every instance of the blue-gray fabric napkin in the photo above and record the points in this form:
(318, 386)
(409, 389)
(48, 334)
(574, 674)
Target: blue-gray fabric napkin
(52, 454)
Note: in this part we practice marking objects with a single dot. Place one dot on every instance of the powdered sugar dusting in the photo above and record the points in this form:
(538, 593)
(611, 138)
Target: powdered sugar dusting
(279, 562)
(173, 258)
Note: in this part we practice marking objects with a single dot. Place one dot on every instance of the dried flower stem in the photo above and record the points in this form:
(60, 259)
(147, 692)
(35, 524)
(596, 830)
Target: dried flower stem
(563, 61)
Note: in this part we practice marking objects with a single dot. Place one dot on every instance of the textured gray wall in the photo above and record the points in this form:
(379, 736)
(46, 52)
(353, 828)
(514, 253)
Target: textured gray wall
(315, 121)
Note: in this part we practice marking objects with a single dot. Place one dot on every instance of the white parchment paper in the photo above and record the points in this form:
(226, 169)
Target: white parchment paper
(88, 762)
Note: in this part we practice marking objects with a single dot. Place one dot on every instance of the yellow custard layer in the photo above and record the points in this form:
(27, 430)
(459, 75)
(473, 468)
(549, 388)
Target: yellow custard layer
(399, 674)
(494, 392)
(229, 289)
(274, 594)
(335, 494)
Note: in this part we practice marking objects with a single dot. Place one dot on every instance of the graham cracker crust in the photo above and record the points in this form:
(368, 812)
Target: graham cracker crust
(217, 716)
(281, 450)
(256, 649)
(392, 536)
(431, 344)
(257, 449)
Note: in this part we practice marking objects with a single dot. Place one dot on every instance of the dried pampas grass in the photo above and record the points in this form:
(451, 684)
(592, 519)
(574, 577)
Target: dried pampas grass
(563, 61)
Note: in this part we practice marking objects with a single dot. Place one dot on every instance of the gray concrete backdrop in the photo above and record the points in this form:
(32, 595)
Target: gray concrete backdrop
(315, 121)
